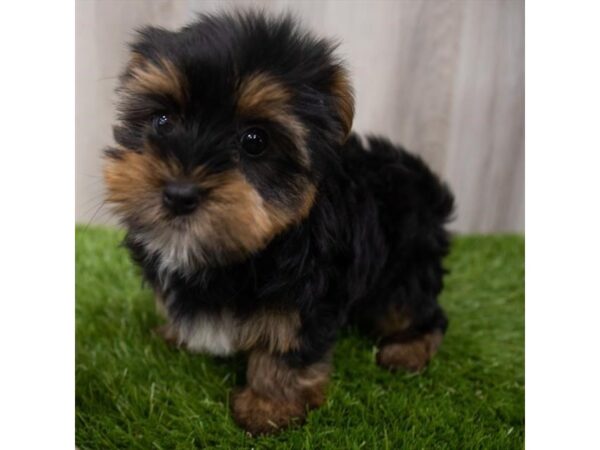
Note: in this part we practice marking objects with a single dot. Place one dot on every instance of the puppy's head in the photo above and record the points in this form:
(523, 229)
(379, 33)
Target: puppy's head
(225, 129)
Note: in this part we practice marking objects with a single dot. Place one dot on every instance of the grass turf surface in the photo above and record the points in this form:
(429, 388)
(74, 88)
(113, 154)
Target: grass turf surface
(133, 391)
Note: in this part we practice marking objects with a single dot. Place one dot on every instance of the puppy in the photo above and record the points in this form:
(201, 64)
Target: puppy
(264, 225)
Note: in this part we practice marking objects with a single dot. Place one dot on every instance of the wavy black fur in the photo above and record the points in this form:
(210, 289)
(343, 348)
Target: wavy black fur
(375, 235)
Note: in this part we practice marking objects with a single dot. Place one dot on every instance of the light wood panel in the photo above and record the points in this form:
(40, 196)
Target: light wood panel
(445, 78)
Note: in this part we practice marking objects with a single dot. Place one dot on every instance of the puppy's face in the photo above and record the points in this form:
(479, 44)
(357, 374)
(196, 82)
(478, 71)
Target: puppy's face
(225, 129)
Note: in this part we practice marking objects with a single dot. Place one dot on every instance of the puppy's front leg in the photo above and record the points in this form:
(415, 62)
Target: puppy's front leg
(277, 394)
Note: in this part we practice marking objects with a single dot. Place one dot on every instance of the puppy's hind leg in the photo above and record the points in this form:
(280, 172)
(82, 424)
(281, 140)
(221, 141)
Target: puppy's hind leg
(409, 342)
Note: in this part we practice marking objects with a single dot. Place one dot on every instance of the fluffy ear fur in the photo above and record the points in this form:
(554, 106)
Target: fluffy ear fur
(342, 91)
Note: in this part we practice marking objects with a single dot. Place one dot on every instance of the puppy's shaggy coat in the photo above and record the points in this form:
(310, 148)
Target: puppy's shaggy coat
(261, 222)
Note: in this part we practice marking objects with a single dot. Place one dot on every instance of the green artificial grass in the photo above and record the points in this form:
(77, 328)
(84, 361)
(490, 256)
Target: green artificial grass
(133, 391)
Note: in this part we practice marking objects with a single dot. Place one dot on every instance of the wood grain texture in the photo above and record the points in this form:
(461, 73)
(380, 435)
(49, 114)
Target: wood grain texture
(485, 150)
(444, 78)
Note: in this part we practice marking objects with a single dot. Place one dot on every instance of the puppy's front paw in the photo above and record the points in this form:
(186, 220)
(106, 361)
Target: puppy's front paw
(261, 415)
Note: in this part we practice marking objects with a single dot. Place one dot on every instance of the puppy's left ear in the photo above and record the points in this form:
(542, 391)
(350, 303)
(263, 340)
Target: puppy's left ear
(343, 95)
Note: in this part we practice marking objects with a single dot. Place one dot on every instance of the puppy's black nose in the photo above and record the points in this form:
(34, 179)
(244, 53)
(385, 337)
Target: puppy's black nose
(181, 198)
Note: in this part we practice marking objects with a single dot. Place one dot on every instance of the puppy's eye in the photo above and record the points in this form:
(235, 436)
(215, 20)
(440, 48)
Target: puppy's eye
(254, 141)
(162, 123)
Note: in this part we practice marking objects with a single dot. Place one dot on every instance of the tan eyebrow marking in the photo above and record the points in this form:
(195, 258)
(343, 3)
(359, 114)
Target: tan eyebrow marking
(262, 95)
(148, 77)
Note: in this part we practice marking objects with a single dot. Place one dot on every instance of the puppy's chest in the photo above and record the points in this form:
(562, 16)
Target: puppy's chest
(211, 333)
(223, 333)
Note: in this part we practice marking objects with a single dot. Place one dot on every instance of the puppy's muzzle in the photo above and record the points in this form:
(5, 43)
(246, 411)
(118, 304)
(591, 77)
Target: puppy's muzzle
(181, 198)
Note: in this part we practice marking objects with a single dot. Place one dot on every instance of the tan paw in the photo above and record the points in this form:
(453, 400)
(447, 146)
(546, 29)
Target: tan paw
(260, 415)
(411, 355)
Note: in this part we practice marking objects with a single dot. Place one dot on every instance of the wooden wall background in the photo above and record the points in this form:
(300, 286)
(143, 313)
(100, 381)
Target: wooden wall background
(445, 78)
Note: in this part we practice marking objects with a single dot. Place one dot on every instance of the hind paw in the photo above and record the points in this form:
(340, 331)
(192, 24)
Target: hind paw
(412, 355)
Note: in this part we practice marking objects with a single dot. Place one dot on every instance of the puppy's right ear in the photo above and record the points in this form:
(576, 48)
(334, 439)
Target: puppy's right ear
(343, 94)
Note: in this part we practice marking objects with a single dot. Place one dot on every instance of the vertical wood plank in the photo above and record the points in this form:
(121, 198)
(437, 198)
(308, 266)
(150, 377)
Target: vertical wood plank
(485, 162)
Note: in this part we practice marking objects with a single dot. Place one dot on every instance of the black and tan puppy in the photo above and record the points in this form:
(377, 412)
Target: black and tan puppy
(262, 224)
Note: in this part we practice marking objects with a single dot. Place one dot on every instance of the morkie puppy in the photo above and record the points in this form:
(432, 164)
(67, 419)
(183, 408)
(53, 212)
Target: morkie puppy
(261, 222)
